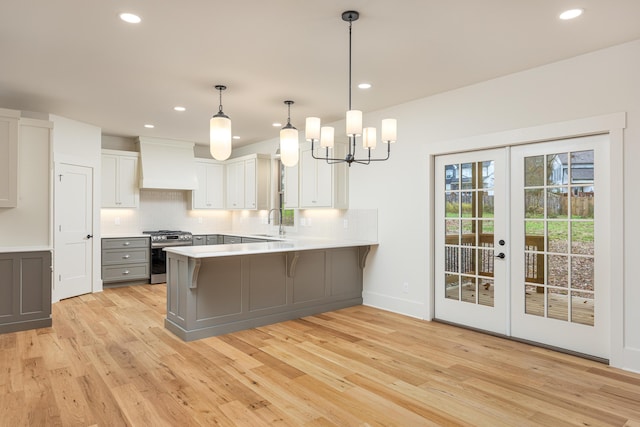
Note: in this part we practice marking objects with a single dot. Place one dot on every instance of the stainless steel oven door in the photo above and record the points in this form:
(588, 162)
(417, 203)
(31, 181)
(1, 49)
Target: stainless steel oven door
(158, 265)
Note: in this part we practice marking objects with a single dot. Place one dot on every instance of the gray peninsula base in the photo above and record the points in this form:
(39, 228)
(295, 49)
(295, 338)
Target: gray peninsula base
(217, 295)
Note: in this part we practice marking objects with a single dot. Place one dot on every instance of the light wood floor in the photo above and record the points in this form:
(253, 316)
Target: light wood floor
(109, 361)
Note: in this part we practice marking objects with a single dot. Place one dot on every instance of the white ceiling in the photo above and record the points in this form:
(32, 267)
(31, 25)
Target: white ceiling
(77, 59)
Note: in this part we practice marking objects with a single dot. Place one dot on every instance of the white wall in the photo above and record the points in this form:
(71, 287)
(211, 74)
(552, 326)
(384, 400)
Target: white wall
(80, 144)
(594, 84)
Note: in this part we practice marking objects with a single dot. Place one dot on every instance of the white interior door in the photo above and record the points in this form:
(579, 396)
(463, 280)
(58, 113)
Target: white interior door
(471, 274)
(537, 204)
(560, 286)
(73, 230)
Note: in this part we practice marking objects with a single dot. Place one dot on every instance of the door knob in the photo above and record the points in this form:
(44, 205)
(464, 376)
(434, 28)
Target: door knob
(89, 236)
(501, 255)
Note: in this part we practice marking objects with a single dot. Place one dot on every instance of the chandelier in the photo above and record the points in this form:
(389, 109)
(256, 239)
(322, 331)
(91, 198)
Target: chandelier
(314, 132)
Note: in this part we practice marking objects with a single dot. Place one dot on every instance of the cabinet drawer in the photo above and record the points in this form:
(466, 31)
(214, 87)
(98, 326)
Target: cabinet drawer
(125, 256)
(199, 240)
(253, 240)
(136, 242)
(214, 239)
(231, 239)
(117, 273)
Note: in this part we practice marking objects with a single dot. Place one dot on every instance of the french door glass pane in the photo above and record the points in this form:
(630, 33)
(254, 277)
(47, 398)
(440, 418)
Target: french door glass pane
(534, 171)
(485, 292)
(559, 236)
(469, 232)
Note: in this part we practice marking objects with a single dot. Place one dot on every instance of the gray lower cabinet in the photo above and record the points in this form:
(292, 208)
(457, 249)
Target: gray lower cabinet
(231, 239)
(125, 260)
(215, 239)
(207, 239)
(253, 240)
(220, 239)
(199, 240)
(25, 290)
(218, 295)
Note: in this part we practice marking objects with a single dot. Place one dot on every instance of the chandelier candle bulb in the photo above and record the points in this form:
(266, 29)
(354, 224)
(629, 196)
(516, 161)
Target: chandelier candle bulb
(326, 137)
(312, 128)
(389, 130)
(369, 138)
(354, 122)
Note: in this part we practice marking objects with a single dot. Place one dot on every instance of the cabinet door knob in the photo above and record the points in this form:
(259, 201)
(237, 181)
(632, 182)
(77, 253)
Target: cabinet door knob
(126, 256)
(127, 243)
(125, 272)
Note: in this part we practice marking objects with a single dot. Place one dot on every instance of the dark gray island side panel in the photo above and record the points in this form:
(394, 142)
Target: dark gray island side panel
(218, 295)
(25, 290)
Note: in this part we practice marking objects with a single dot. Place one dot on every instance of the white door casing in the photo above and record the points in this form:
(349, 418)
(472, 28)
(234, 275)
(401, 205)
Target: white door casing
(73, 226)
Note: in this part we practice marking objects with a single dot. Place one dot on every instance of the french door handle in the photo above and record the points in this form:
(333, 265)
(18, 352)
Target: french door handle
(89, 236)
(501, 255)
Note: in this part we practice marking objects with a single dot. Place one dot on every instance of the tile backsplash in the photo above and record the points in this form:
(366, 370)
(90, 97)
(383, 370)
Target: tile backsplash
(170, 210)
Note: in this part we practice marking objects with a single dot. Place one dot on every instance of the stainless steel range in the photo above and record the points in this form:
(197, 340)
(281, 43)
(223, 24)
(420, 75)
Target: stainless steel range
(161, 239)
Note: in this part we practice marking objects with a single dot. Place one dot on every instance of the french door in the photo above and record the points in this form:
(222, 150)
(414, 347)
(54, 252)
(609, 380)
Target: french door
(520, 249)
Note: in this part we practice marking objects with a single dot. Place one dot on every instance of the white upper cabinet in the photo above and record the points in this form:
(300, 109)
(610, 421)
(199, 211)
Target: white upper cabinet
(248, 180)
(8, 158)
(120, 179)
(323, 185)
(291, 186)
(210, 192)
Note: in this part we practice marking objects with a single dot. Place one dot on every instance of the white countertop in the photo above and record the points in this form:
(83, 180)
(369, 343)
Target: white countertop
(123, 236)
(9, 249)
(288, 245)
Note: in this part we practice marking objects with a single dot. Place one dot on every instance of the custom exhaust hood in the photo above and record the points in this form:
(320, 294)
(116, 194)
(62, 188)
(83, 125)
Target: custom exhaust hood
(167, 164)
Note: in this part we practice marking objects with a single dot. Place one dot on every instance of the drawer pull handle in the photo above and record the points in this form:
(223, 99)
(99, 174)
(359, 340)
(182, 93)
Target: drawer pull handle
(127, 243)
(126, 256)
(125, 272)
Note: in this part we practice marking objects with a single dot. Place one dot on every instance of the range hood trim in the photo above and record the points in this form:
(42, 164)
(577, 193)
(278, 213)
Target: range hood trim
(167, 164)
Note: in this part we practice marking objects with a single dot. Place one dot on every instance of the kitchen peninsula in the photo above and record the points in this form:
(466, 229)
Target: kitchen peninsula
(213, 290)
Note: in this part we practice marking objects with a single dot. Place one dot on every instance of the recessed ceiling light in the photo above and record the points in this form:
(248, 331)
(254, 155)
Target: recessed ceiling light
(571, 14)
(364, 85)
(276, 124)
(149, 126)
(236, 137)
(130, 18)
(179, 108)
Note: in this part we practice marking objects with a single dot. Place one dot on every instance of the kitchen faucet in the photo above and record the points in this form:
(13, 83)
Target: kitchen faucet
(280, 227)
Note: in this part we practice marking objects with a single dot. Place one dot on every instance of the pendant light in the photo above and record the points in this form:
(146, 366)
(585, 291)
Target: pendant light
(314, 132)
(220, 132)
(289, 141)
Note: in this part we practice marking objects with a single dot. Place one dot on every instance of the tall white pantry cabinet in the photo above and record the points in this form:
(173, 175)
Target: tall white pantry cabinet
(8, 158)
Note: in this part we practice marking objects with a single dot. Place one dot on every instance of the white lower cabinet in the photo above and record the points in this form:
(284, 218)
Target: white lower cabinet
(248, 181)
(120, 179)
(210, 192)
(323, 185)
